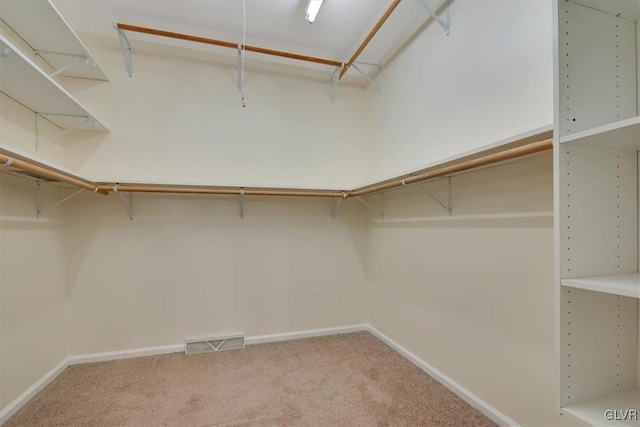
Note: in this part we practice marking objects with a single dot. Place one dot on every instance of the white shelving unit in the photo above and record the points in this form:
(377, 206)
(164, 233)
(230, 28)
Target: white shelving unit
(597, 139)
(41, 26)
(28, 84)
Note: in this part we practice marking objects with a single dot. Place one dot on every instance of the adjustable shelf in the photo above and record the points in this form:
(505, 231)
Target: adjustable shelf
(620, 406)
(25, 82)
(627, 285)
(39, 23)
(621, 135)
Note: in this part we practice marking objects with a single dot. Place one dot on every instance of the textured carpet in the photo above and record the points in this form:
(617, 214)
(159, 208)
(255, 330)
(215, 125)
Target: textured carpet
(347, 380)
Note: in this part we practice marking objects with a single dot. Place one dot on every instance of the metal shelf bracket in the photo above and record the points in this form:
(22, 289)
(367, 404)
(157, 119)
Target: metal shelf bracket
(445, 25)
(240, 66)
(126, 49)
(40, 142)
(335, 204)
(335, 78)
(379, 212)
(40, 209)
(242, 203)
(366, 76)
(447, 207)
(75, 59)
(128, 205)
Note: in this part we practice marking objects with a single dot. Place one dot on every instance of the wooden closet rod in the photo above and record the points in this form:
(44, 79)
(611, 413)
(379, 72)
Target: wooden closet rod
(233, 191)
(229, 45)
(49, 173)
(529, 145)
(510, 154)
(367, 39)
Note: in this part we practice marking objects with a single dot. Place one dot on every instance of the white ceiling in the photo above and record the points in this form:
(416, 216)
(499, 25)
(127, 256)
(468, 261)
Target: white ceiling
(339, 29)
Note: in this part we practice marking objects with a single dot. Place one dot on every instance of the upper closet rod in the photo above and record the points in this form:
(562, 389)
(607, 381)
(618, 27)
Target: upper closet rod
(367, 39)
(49, 173)
(229, 45)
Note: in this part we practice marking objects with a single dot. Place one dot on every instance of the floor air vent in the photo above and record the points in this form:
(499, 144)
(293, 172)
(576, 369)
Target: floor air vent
(214, 344)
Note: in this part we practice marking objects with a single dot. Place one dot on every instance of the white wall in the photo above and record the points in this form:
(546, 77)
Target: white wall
(33, 287)
(189, 267)
(490, 79)
(473, 295)
(179, 118)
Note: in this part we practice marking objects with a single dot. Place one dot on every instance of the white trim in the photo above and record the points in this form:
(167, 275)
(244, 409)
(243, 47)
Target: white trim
(125, 354)
(261, 339)
(473, 400)
(487, 410)
(25, 397)
(175, 348)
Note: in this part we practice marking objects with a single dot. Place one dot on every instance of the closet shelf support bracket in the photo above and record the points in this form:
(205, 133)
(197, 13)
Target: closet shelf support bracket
(242, 203)
(126, 49)
(379, 212)
(445, 25)
(335, 204)
(447, 207)
(240, 67)
(40, 209)
(40, 142)
(128, 205)
(335, 78)
(378, 85)
(75, 59)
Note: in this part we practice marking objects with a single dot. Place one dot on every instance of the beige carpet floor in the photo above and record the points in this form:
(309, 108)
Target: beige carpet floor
(341, 380)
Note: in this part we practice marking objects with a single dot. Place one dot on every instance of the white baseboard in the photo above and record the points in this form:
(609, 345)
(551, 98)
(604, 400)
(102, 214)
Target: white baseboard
(473, 400)
(125, 354)
(25, 397)
(287, 336)
(175, 348)
(487, 410)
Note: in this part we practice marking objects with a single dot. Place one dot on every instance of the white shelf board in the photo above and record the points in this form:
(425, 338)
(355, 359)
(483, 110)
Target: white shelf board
(40, 24)
(24, 81)
(622, 135)
(593, 411)
(627, 285)
(510, 142)
(11, 151)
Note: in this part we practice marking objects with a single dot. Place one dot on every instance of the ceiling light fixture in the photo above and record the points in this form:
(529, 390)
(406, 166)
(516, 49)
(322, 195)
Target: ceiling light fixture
(313, 6)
